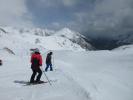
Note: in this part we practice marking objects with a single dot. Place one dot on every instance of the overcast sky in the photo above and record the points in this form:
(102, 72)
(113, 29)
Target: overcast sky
(97, 17)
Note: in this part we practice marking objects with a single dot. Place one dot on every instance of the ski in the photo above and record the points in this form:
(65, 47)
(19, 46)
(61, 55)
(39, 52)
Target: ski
(28, 83)
(36, 83)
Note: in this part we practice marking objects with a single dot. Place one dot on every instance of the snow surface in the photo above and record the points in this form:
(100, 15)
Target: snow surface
(77, 75)
(93, 75)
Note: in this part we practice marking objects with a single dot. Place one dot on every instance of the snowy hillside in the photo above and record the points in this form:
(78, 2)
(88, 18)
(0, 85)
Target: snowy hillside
(125, 47)
(75, 37)
(45, 38)
(124, 39)
(33, 31)
(2, 32)
(80, 75)
(92, 75)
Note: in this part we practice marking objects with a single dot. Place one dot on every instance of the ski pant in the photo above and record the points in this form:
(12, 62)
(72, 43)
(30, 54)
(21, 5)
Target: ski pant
(47, 66)
(35, 71)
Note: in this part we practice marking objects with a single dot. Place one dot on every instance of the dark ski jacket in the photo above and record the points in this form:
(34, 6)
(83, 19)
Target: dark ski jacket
(36, 60)
(0, 62)
(48, 59)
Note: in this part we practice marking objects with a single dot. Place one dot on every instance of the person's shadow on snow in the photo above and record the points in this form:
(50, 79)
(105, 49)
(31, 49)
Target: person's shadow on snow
(21, 82)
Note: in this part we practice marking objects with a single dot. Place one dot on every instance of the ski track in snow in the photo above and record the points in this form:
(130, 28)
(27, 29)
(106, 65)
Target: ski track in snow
(92, 75)
(14, 88)
(96, 75)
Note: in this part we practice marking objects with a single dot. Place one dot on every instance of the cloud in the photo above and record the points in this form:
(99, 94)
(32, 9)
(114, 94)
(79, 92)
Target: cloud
(15, 13)
(94, 17)
(70, 3)
(56, 25)
(109, 13)
(54, 3)
(46, 12)
(107, 17)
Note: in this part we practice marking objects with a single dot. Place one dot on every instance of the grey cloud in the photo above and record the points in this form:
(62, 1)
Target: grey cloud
(110, 17)
(14, 13)
(67, 3)
(92, 17)
(99, 17)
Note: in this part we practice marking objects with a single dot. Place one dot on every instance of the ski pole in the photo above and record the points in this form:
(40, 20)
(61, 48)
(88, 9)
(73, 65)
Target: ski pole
(47, 78)
(53, 62)
(54, 67)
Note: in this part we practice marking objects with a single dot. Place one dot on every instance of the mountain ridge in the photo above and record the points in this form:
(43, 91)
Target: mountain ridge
(45, 38)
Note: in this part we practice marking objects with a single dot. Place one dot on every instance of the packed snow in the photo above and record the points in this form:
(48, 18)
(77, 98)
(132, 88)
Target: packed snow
(48, 39)
(93, 75)
(77, 75)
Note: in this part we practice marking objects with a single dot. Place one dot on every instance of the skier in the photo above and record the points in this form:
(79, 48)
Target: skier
(0, 62)
(48, 62)
(36, 63)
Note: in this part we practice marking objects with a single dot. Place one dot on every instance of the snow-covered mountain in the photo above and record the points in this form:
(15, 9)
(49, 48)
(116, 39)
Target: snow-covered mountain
(124, 39)
(64, 39)
(2, 32)
(114, 41)
(93, 75)
(125, 47)
(75, 37)
(33, 31)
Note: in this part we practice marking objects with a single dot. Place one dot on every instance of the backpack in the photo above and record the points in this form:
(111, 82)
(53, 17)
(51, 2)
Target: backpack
(35, 63)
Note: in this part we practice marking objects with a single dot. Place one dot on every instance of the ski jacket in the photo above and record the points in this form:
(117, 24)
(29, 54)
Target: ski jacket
(36, 60)
(48, 59)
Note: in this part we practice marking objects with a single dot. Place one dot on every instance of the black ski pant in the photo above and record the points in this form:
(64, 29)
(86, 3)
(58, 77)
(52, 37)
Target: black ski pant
(35, 71)
(47, 66)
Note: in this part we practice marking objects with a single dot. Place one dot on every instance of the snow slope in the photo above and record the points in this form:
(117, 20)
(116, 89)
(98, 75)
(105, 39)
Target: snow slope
(123, 39)
(93, 75)
(125, 47)
(49, 39)
(104, 75)
(77, 75)
(75, 37)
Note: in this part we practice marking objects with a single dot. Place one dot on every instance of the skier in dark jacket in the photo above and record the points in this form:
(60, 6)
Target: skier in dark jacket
(36, 63)
(0, 62)
(49, 62)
